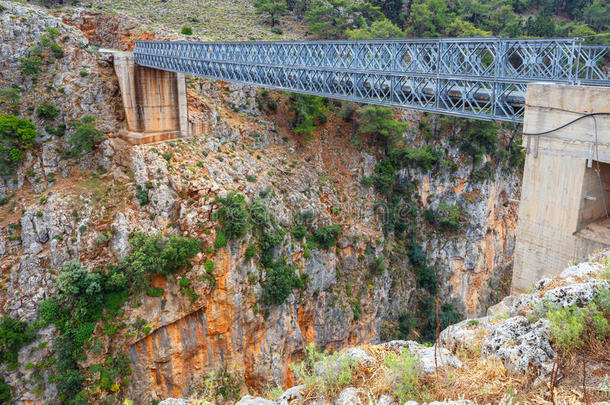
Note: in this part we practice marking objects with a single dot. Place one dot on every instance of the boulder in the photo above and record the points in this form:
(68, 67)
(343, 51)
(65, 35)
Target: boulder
(250, 400)
(349, 396)
(521, 345)
(426, 355)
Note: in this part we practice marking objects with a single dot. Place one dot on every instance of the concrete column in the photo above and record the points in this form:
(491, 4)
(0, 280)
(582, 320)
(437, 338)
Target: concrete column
(561, 212)
(154, 101)
(182, 105)
(124, 68)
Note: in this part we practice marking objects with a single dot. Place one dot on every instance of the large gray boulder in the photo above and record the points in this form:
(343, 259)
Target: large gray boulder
(521, 345)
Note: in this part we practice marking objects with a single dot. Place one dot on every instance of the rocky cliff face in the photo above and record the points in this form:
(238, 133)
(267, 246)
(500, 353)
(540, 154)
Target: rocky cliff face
(88, 211)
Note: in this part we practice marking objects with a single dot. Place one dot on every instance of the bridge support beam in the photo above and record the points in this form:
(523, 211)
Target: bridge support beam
(154, 101)
(562, 212)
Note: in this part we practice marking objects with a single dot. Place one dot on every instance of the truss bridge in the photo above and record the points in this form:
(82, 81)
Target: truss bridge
(481, 78)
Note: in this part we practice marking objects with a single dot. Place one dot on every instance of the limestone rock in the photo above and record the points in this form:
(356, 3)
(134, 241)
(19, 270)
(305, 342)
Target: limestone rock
(386, 400)
(250, 400)
(521, 345)
(358, 356)
(426, 356)
(581, 270)
(349, 396)
(291, 395)
(175, 401)
(469, 333)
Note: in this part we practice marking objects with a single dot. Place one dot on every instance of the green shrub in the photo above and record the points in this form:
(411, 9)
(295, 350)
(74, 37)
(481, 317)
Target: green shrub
(179, 251)
(479, 138)
(155, 254)
(60, 130)
(379, 122)
(221, 239)
(447, 315)
(47, 111)
(186, 30)
(280, 279)
(321, 372)
(416, 254)
(141, 195)
(6, 397)
(367, 181)
(309, 111)
(299, 232)
(377, 266)
(384, 175)
(30, 66)
(14, 335)
(448, 217)
(16, 136)
(259, 213)
(406, 323)
(268, 242)
(277, 30)
(425, 157)
(233, 215)
(155, 291)
(84, 137)
(49, 312)
(327, 236)
(572, 327)
(405, 375)
(426, 278)
(184, 282)
(83, 73)
(57, 50)
(222, 384)
(208, 266)
(250, 252)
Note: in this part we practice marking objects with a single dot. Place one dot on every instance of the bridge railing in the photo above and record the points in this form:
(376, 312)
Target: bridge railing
(474, 77)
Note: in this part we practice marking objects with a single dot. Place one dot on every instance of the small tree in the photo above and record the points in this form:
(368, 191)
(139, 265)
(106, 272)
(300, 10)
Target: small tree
(309, 111)
(274, 8)
(379, 122)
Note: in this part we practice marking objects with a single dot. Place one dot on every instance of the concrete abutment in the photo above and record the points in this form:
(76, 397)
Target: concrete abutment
(562, 213)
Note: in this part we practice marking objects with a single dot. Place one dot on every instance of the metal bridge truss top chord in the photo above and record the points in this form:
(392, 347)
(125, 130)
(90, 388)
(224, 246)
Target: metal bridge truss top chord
(482, 78)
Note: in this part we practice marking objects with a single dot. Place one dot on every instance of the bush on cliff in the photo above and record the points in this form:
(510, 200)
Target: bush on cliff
(156, 254)
(14, 334)
(327, 236)
(84, 137)
(16, 136)
(280, 280)
(233, 215)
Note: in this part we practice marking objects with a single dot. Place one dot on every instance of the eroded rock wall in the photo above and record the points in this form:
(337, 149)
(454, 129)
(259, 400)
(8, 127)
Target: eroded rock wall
(89, 213)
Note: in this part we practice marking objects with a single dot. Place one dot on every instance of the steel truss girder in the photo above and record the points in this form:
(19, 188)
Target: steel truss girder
(482, 78)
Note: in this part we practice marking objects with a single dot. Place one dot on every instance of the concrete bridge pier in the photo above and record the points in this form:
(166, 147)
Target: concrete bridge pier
(562, 212)
(154, 101)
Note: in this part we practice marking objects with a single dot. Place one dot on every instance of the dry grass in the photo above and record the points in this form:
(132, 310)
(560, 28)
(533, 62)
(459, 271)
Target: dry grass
(482, 380)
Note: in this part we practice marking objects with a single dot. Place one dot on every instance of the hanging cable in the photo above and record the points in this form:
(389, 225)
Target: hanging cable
(566, 124)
